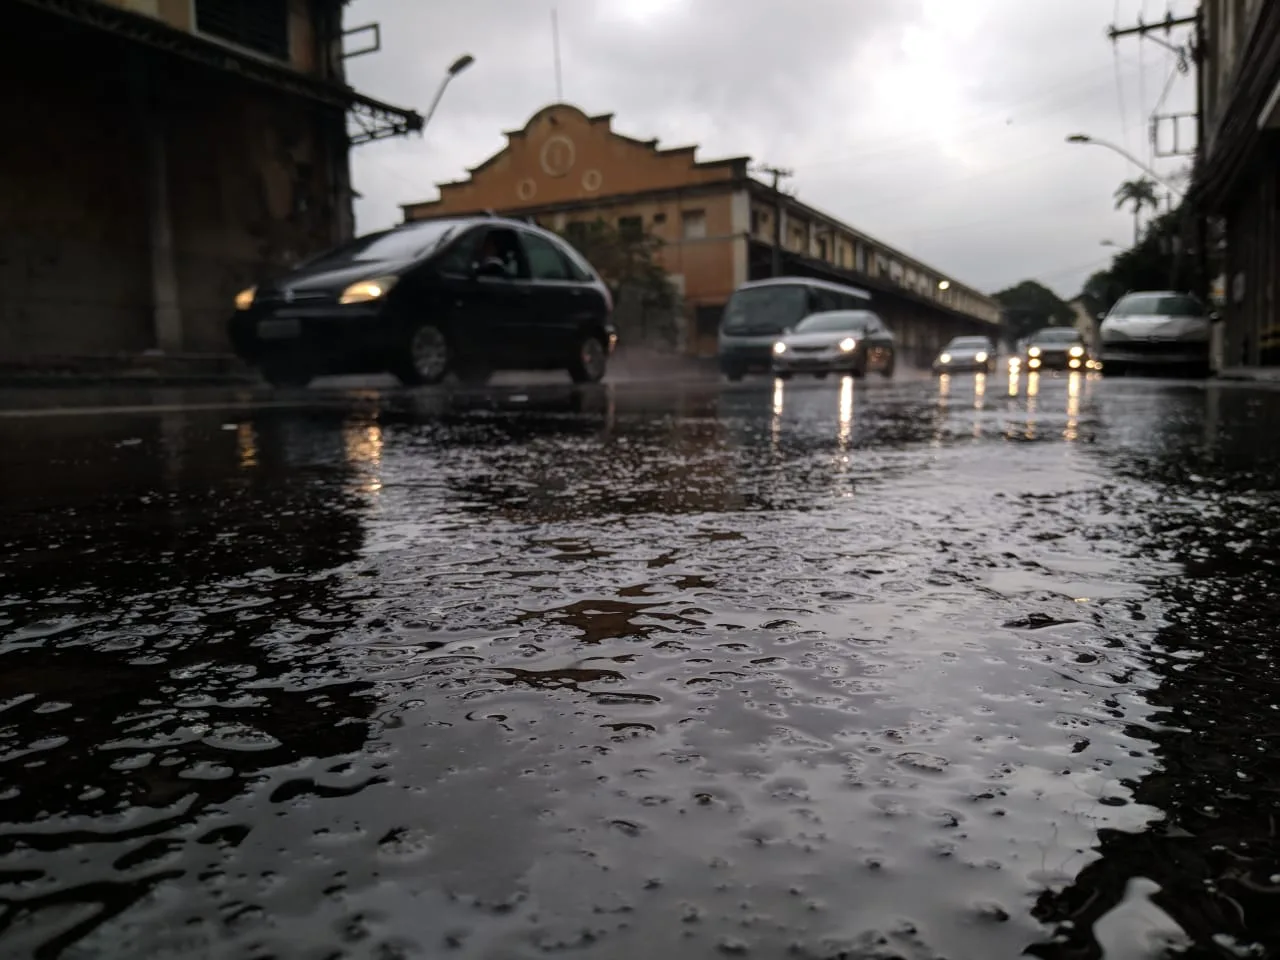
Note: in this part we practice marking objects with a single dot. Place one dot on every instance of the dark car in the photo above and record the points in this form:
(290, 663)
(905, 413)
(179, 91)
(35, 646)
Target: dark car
(466, 296)
(1056, 348)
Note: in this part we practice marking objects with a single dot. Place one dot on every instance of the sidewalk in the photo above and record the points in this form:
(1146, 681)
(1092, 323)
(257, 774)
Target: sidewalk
(154, 369)
(1254, 374)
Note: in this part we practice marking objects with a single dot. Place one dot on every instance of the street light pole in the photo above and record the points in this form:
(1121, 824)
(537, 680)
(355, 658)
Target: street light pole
(455, 68)
(1085, 138)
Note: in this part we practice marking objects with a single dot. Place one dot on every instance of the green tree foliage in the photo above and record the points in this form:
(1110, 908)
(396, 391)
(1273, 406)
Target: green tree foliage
(1165, 259)
(627, 262)
(1029, 305)
(1137, 194)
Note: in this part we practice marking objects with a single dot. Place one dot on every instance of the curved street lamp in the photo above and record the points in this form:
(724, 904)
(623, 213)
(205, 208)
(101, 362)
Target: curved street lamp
(455, 68)
(1086, 139)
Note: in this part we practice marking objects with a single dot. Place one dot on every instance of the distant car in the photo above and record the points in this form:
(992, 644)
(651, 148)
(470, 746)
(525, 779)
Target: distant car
(966, 355)
(1056, 348)
(839, 341)
(465, 295)
(1156, 329)
(761, 311)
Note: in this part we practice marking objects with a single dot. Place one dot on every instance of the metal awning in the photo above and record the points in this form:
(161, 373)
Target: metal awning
(373, 118)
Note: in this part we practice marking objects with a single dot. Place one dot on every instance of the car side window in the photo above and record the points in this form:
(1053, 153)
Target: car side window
(458, 258)
(502, 243)
(545, 261)
(822, 301)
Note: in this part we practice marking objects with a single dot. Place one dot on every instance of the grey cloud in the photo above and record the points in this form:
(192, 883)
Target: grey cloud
(796, 84)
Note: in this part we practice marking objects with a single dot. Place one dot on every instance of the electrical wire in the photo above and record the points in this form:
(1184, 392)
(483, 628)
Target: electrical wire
(1115, 54)
(1065, 97)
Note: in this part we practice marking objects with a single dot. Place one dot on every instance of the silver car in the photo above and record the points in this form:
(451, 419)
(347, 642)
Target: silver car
(1155, 329)
(966, 355)
(837, 341)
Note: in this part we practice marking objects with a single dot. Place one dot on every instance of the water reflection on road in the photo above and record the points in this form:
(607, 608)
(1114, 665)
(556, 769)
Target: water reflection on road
(837, 668)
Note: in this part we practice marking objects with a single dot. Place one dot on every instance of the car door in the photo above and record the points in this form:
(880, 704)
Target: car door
(558, 302)
(497, 306)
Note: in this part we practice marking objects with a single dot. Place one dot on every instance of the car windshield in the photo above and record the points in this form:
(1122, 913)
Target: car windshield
(1157, 305)
(1057, 335)
(389, 246)
(969, 343)
(767, 309)
(852, 321)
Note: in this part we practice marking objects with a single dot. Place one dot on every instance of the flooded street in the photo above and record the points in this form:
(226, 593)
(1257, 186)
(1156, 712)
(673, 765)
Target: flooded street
(964, 669)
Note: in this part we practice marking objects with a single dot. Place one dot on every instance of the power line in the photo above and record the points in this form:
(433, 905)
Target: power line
(1064, 97)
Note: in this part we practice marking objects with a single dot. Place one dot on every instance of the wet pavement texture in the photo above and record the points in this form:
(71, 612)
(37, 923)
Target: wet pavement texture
(966, 668)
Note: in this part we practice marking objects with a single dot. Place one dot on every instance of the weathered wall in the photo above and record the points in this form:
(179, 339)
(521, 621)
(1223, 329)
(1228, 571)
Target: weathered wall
(251, 191)
(251, 177)
(73, 229)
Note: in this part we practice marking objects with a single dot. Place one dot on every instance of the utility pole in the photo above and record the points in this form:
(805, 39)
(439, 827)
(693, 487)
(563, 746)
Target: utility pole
(1189, 53)
(778, 173)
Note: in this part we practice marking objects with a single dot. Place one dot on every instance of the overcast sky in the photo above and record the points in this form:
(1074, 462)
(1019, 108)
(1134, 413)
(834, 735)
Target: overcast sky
(936, 126)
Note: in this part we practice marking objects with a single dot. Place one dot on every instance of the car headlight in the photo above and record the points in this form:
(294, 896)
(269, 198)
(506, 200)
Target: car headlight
(1015, 362)
(244, 299)
(980, 357)
(1033, 352)
(848, 344)
(945, 358)
(779, 347)
(1077, 351)
(362, 291)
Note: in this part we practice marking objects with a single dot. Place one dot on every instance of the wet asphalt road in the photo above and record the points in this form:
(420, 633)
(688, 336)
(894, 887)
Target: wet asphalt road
(966, 669)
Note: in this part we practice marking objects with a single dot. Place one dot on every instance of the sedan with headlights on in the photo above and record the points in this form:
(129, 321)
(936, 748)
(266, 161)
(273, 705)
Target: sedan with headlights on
(1056, 348)
(1156, 330)
(464, 296)
(966, 355)
(837, 341)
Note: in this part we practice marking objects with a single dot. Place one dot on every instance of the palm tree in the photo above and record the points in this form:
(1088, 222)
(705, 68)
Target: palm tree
(1140, 193)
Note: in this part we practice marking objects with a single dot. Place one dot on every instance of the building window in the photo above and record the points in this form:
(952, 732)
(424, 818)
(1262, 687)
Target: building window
(630, 228)
(261, 25)
(822, 248)
(694, 223)
(659, 218)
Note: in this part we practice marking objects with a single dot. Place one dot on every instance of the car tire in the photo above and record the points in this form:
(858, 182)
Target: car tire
(887, 372)
(1114, 370)
(284, 374)
(425, 357)
(590, 359)
(733, 376)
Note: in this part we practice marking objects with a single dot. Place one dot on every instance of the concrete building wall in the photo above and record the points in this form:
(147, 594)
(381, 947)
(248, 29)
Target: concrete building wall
(250, 178)
(74, 261)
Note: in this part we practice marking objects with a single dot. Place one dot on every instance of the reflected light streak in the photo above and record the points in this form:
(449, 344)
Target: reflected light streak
(846, 412)
(1013, 383)
(944, 386)
(363, 443)
(1073, 407)
(247, 442)
(1033, 391)
(775, 424)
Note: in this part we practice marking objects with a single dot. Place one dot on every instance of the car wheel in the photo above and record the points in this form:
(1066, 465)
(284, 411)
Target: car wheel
(733, 376)
(590, 360)
(284, 374)
(425, 357)
(887, 372)
(1113, 370)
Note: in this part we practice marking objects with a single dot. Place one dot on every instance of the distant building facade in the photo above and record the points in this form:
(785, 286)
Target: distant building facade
(1237, 180)
(715, 221)
(166, 153)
